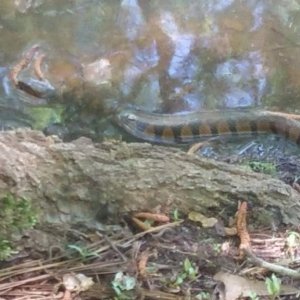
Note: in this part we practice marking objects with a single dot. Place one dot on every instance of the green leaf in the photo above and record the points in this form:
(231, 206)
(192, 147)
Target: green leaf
(187, 265)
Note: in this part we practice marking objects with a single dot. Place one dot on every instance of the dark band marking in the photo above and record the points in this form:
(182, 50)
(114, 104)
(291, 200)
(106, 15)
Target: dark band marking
(150, 131)
(177, 132)
(233, 127)
(195, 130)
(253, 127)
(213, 129)
(158, 132)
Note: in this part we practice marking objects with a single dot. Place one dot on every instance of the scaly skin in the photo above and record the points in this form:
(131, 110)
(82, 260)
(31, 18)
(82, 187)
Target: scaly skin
(190, 127)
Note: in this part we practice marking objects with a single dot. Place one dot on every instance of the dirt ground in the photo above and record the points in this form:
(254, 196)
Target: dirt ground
(179, 259)
(164, 255)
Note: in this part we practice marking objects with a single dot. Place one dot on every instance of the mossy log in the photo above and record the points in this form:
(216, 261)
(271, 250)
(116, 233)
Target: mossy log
(85, 181)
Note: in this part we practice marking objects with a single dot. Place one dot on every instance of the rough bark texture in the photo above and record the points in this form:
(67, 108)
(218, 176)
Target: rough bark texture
(84, 181)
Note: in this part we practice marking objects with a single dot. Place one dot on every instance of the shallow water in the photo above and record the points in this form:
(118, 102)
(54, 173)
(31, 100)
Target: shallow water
(170, 56)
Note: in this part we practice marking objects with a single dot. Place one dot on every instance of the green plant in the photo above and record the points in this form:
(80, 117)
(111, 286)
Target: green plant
(189, 269)
(217, 248)
(189, 272)
(263, 167)
(293, 239)
(175, 214)
(121, 284)
(253, 296)
(16, 214)
(292, 243)
(83, 252)
(273, 286)
(5, 249)
(203, 296)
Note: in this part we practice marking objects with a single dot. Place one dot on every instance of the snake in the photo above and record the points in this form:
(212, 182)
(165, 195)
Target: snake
(187, 128)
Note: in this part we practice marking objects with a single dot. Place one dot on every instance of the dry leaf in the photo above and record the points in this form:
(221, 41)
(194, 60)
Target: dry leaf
(77, 282)
(205, 222)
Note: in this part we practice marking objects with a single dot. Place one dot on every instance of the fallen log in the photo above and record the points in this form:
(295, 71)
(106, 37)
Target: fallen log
(85, 181)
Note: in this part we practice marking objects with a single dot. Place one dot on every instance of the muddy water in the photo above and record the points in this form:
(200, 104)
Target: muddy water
(165, 56)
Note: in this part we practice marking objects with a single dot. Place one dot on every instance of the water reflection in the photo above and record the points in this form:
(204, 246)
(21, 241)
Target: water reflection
(160, 56)
(245, 80)
(258, 10)
(131, 19)
(217, 5)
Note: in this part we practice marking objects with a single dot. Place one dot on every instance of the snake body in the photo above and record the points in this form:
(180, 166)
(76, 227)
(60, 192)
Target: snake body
(190, 127)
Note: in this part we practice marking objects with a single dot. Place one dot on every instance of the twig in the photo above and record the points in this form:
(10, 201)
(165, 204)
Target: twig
(246, 248)
(153, 217)
(10, 285)
(37, 66)
(22, 64)
(127, 241)
(142, 263)
(270, 266)
(241, 227)
(113, 246)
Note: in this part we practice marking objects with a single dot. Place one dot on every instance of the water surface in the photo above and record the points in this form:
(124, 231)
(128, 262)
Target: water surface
(164, 56)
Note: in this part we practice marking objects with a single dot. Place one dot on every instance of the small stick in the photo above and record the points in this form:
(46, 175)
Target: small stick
(23, 63)
(241, 227)
(153, 217)
(142, 263)
(270, 266)
(37, 66)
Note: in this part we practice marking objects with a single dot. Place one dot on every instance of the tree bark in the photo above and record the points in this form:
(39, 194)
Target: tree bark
(83, 181)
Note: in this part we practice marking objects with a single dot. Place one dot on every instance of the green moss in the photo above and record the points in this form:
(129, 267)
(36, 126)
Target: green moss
(263, 167)
(43, 116)
(5, 249)
(16, 214)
